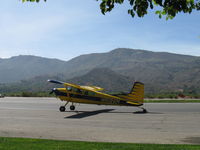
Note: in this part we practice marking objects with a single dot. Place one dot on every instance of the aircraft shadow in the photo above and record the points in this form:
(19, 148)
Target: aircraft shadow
(84, 114)
(141, 112)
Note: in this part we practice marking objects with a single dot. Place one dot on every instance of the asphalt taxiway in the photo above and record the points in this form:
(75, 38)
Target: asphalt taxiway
(167, 123)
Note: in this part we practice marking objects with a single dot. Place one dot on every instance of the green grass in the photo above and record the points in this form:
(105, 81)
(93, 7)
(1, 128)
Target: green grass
(172, 101)
(41, 144)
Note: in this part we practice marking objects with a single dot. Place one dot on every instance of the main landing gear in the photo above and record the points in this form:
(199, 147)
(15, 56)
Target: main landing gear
(72, 107)
(63, 108)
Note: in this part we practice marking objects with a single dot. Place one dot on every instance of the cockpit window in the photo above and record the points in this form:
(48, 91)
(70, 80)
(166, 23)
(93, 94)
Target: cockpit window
(69, 88)
(91, 93)
(78, 91)
(86, 92)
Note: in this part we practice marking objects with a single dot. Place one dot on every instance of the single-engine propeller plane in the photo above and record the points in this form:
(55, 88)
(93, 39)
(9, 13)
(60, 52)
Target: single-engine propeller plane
(92, 95)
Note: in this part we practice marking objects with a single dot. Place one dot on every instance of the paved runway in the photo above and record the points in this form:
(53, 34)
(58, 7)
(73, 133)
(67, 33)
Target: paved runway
(40, 118)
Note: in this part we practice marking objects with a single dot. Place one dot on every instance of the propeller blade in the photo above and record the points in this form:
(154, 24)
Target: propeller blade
(55, 81)
(53, 91)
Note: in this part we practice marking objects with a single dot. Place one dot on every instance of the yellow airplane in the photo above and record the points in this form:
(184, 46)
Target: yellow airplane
(93, 95)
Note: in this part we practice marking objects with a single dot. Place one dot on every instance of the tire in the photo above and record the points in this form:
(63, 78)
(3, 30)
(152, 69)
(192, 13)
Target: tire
(72, 107)
(62, 108)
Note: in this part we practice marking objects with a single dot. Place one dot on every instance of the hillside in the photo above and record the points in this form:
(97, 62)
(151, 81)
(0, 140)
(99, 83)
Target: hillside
(102, 77)
(160, 71)
(105, 78)
(25, 67)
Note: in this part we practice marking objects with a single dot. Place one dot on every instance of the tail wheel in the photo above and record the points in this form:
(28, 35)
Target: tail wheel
(144, 111)
(62, 108)
(72, 107)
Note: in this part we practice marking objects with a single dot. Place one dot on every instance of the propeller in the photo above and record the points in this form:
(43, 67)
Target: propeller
(55, 81)
(53, 91)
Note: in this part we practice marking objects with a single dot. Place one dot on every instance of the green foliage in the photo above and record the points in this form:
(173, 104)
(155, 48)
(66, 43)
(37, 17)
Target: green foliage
(172, 95)
(31, 1)
(162, 95)
(29, 94)
(172, 101)
(169, 8)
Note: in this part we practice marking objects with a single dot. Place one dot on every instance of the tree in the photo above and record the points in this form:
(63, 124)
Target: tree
(168, 8)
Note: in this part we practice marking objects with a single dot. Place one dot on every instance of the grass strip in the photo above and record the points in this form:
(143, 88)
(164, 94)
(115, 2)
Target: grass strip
(172, 101)
(41, 144)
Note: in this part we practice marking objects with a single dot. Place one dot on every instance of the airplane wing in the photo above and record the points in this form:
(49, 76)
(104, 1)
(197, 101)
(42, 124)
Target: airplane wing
(64, 83)
(91, 88)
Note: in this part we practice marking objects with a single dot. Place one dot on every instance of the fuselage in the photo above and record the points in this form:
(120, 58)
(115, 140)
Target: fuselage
(93, 97)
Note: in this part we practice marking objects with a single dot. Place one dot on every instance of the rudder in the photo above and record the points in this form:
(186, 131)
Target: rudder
(137, 93)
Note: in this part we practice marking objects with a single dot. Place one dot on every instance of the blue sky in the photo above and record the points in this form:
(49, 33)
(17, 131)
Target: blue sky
(65, 29)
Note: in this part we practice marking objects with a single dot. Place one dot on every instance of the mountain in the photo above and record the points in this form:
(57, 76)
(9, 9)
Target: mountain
(24, 67)
(105, 78)
(160, 71)
(36, 84)
(102, 77)
(133, 62)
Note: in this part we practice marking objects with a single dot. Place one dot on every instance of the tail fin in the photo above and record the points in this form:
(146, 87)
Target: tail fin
(137, 93)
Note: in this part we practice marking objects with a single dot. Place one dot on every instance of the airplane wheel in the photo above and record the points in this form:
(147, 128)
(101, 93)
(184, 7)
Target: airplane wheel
(72, 107)
(62, 108)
